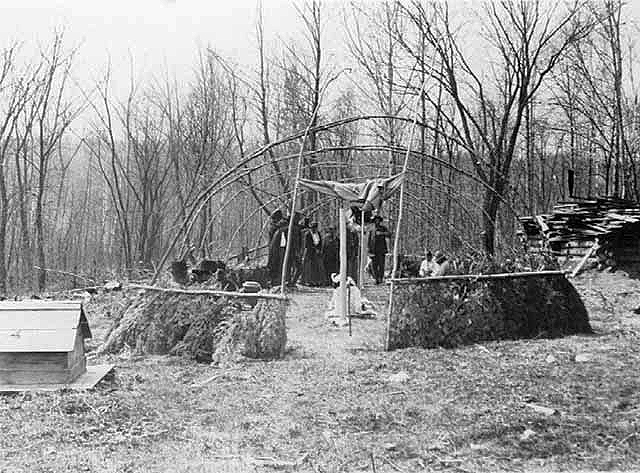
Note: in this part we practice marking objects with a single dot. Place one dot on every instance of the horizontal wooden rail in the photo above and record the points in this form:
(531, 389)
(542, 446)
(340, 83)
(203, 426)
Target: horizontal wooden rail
(208, 292)
(478, 276)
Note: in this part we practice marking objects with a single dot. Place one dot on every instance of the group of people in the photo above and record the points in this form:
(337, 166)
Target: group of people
(314, 256)
(434, 265)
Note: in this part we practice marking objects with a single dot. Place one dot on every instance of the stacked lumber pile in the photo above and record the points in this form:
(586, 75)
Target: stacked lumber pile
(454, 311)
(572, 228)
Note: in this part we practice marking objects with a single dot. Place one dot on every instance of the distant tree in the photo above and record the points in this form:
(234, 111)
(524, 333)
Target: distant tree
(528, 38)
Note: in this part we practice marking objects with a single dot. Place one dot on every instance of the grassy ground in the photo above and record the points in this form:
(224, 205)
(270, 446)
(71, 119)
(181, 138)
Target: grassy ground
(338, 404)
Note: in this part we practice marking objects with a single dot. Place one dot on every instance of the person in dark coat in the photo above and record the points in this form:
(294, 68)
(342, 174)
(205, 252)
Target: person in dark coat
(277, 248)
(378, 248)
(313, 269)
(353, 253)
(299, 230)
(276, 218)
(330, 253)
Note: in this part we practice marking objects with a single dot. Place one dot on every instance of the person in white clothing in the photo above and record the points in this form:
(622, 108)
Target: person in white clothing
(442, 264)
(428, 266)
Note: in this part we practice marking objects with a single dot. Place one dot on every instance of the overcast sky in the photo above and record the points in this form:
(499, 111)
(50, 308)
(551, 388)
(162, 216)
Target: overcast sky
(155, 32)
(151, 31)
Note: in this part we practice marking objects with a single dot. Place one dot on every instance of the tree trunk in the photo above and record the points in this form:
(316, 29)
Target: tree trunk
(4, 217)
(39, 227)
(490, 211)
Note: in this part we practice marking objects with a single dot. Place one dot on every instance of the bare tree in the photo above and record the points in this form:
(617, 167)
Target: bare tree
(262, 94)
(55, 113)
(529, 39)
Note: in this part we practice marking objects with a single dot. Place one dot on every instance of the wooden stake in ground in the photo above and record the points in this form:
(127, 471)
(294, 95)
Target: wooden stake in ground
(349, 308)
(363, 255)
(343, 263)
(294, 198)
(396, 239)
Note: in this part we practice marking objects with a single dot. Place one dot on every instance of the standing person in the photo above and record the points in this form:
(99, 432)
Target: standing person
(442, 264)
(277, 248)
(298, 232)
(330, 250)
(378, 248)
(353, 252)
(313, 273)
(276, 217)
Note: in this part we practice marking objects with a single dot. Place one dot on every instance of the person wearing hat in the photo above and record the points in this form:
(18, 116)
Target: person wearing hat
(299, 229)
(313, 273)
(442, 264)
(275, 222)
(277, 250)
(378, 248)
(330, 253)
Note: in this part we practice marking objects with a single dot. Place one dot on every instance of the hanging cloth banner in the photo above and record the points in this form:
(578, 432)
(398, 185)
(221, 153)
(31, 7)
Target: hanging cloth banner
(368, 195)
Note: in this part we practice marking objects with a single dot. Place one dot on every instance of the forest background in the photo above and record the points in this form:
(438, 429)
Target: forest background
(505, 108)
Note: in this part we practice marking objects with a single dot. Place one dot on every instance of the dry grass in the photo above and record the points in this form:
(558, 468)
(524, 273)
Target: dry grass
(332, 404)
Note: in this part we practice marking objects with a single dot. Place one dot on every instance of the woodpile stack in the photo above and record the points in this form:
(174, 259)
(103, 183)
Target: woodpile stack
(454, 311)
(572, 228)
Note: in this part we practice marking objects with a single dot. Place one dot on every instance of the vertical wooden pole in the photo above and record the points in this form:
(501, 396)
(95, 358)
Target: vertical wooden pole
(343, 263)
(363, 256)
(349, 307)
(396, 239)
(294, 198)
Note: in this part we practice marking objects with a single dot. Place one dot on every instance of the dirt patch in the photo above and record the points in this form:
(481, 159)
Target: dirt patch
(310, 332)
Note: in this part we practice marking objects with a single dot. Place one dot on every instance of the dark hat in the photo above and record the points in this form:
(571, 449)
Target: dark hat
(276, 214)
(377, 218)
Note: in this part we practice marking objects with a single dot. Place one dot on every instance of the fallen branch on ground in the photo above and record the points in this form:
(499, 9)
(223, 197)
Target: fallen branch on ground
(207, 292)
(66, 273)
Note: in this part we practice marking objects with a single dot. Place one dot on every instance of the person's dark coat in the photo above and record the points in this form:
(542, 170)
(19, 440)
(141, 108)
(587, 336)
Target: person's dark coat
(313, 273)
(277, 248)
(353, 254)
(330, 255)
(378, 249)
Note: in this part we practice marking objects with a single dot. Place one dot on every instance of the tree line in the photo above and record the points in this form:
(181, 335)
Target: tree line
(515, 106)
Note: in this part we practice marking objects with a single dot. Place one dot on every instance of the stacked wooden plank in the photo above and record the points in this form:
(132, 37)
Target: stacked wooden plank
(572, 227)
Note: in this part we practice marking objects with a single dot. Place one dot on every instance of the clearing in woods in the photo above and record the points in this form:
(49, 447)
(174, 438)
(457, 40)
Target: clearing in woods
(309, 331)
(338, 404)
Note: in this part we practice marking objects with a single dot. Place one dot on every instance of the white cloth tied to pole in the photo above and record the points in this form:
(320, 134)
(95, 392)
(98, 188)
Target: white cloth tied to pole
(359, 306)
(368, 195)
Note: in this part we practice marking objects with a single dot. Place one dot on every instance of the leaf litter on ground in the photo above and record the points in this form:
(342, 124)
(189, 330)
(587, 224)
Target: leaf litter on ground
(465, 409)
